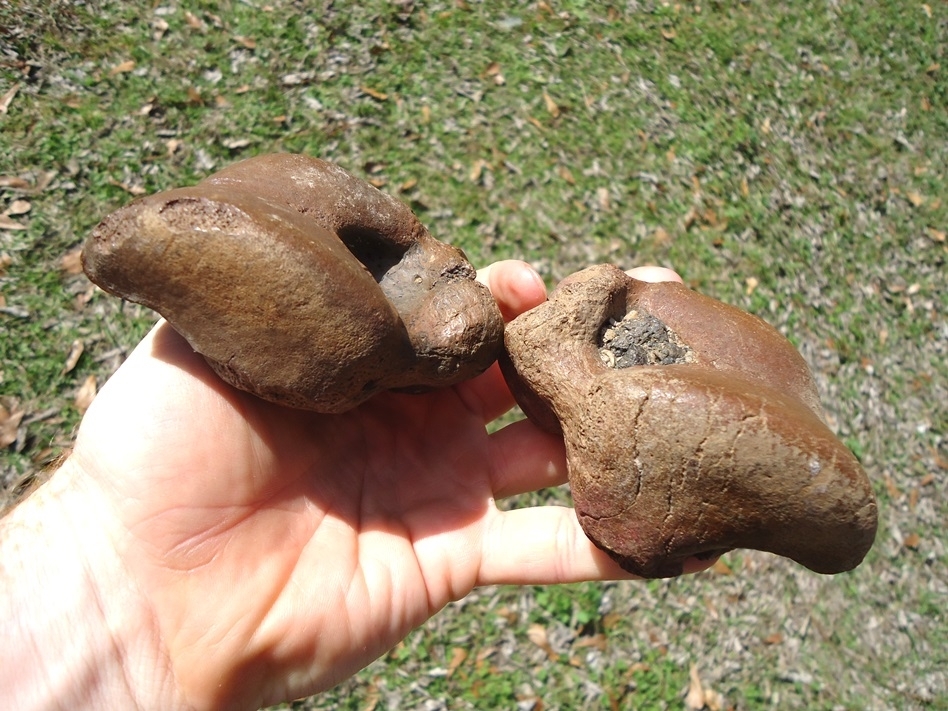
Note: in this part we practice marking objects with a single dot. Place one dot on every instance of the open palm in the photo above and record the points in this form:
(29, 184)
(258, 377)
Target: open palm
(278, 551)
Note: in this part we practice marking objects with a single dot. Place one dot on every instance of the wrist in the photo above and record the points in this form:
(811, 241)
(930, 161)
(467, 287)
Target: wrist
(75, 633)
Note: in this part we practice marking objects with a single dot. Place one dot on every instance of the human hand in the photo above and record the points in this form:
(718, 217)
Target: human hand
(269, 553)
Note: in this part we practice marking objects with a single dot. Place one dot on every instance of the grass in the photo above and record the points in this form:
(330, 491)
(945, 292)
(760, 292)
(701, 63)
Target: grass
(786, 157)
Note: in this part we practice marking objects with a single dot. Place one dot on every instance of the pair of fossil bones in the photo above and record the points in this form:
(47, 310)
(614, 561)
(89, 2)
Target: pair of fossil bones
(306, 286)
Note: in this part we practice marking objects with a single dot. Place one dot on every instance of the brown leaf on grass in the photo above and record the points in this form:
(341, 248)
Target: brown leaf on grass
(122, 68)
(669, 34)
(86, 394)
(458, 655)
(536, 633)
(7, 223)
(5, 261)
(493, 69)
(374, 93)
(912, 541)
(246, 42)
(695, 698)
(602, 197)
(194, 22)
(7, 98)
(551, 106)
(477, 170)
(14, 182)
(598, 641)
(917, 199)
(721, 568)
(130, 189)
(19, 207)
(936, 235)
(565, 174)
(408, 185)
(775, 638)
(75, 353)
(11, 414)
(71, 262)
(701, 697)
(891, 488)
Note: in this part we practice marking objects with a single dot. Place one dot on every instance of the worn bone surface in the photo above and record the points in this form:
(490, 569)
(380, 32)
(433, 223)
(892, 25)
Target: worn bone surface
(712, 438)
(301, 283)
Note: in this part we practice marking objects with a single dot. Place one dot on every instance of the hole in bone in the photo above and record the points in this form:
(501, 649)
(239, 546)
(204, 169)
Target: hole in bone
(376, 252)
(641, 339)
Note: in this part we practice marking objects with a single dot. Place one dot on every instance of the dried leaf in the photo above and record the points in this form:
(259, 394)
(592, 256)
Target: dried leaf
(194, 22)
(891, 488)
(72, 358)
(669, 34)
(11, 415)
(374, 93)
(597, 641)
(43, 181)
(912, 541)
(71, 263)
(775, 638)
(536, 633)
(131, 189)
(236, 143)
(19, 207)
(7, 224)
(478, 169)
(425, 114)
(86, 394)
(566, 175)
(5, 261)
(917, 199)
(936, 235)
(7, 98)
(12, 181)
(751, 285)
(695, 697)
(551, 105)
(248, 42)
(408, 185)
(458, 655)
(602, 197)
(721, 568)
(122, 68)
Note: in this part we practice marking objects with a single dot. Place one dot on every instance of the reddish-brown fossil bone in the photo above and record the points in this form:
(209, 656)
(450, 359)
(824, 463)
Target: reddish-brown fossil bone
(721, 445)
(301, 283)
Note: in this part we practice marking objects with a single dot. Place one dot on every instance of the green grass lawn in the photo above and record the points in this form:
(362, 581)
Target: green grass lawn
(787, 157)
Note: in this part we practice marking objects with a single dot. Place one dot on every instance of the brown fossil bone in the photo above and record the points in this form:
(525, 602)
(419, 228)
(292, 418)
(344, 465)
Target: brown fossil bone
(301, 283)
(715, 442)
